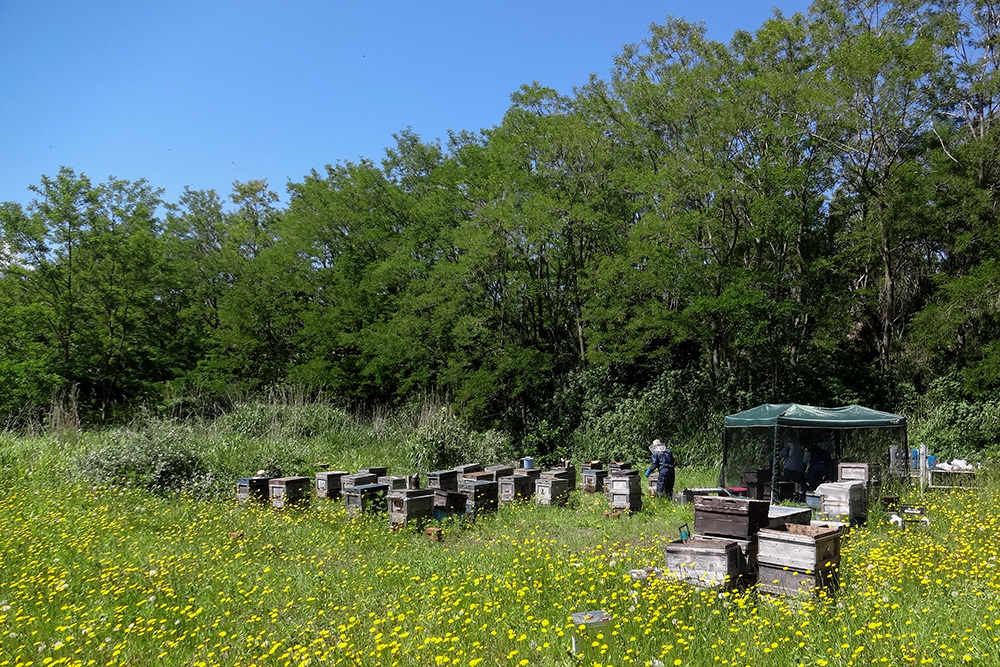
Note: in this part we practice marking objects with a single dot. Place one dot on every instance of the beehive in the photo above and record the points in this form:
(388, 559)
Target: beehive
(515, 487)
(287, 491)
(500, 470)
(467, 468)
(358, 479)
(551, 491)
(593, 480)
(365, 499)
(481, 476)
(448, 503)
(844, 501)
(446, 480)
(378, 471)
(777, 515)
(407, 506)
(721, 516)
(566, 472)
(329, 484)
(795, 558)
(592, 465)
(534, 474)
(706, 562)
(621, 481)
(252, 489)
(395, 481)
(757, 483)
(481, 496)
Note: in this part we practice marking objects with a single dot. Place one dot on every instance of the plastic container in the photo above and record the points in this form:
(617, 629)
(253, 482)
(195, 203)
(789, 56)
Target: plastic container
(528, 462)
(914, 458)
(931, 461)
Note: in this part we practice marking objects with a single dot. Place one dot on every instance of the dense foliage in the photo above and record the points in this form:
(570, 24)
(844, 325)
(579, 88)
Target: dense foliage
(806, 213)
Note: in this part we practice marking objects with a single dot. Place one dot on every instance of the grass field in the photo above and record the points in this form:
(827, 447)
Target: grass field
(104, 575)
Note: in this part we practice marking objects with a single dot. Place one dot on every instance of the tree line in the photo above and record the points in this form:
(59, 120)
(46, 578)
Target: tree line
(807, 212)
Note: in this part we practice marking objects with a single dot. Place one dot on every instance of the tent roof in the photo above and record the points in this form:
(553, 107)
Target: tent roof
(792, 414)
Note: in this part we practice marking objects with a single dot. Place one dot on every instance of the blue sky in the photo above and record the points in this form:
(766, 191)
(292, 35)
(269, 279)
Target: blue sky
(202, 93)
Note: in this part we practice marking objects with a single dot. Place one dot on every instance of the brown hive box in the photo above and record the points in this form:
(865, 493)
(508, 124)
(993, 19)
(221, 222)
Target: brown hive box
(721, 516)
(706, 562)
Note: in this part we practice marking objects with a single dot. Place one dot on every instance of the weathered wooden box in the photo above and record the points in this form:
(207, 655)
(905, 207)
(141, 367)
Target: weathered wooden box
(799, 547)
(481, 496)
(500, 470)
(630, 501)
(847, 500)
(252, 489)
(515, 487)
(569, 472)
(593, 480)
(848, 471)
(446, 480)
(534, 474)
(621, 465)
(287, 491)
(757, 483)
(729, 517)
(557, 473)
(592, 465)
(618, 482)
(378, 471)
(365, 499)
(329, 483)
(551, 491)
(481, 476)
(777, 515)
(465, 468)
(706, 562)
(781, 580)
(394, 481)
(452, 502)
(408, 505)
(358, 479)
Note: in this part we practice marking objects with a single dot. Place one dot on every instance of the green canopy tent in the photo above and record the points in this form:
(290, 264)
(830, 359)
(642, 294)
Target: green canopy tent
(770, 424)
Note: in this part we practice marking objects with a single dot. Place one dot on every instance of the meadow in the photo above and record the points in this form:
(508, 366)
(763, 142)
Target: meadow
(119, 572)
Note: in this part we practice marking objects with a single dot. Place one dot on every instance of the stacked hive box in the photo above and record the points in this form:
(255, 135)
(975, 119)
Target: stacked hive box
(843, 501)
(593, 480)
(515, 487)
(378, 471)
(446, 480)
(624, 489)
(408, 506)
(252, 489)
(286, 491)
(500, 470)
(553, 487)
(449, 504)
(757, 483)
(329, 484)
(795, 559)
(365, 499)
(358, 479)
(465, 468)
(706, 562)
(739, 518)
(395, 481)
(481, 496)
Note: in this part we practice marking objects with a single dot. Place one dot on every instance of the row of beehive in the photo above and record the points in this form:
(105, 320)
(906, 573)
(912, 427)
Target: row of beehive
(735, 545)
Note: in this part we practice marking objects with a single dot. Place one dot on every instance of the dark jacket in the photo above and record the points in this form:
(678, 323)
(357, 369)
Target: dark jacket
(663, 459)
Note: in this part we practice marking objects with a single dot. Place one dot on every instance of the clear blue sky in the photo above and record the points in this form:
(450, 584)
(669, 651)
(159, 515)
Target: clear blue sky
(205, 92)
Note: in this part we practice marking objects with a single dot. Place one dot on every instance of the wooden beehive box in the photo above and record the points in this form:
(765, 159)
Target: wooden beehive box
(592, 465)
(707, 563)
(286, 491)
(778, 515)
(757, 483)
(593, 480)
(446, 480)
(482, 496)
(843, 500)
(551, 491)
(534, 474)
(515, 487)
(408, 505)
(848, 471)
(252, 489)
(481, 476)
(358, 479)
(378, 471)
(394, 481)
(617, 482)
(466, 468)
(450, 501)
(329, 483)
(780, 580)
(630, 501)
(729, 517)
(620, 465)
(799, 547)
(568, 472)
(500, 470)
(365, 499)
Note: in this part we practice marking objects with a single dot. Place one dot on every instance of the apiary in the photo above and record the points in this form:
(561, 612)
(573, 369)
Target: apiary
(328, 484)
(796, 558)
(481, 496)
(446, 480)
(707, 563)
(593, 480)
(843, 501)
(551, 491)
(515, 487)
(252, 489)
(365, 499)
(378, 471)
(407, 506)
(448, 503)
(500, 470)
(287, 491)
(394, 481)
(721, 516)
(358, 479)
